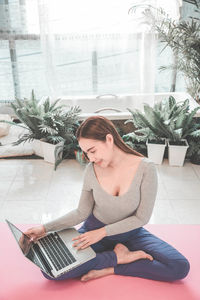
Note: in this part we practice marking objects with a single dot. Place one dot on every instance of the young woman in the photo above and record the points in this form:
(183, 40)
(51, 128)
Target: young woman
(117, 199)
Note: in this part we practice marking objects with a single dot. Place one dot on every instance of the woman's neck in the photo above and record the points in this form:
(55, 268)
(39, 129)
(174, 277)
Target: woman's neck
(119, 158)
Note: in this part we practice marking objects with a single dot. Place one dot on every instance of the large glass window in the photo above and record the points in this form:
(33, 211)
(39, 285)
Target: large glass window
(75, 48)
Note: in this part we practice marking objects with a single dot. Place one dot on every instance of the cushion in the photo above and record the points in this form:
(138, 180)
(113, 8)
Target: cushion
(4, 127)
(8, 150)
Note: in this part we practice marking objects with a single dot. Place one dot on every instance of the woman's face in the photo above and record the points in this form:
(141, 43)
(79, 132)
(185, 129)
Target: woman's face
(97, 151)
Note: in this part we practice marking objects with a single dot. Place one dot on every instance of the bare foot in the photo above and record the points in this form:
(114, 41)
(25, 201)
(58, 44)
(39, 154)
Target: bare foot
(97, 273)
(124, 256)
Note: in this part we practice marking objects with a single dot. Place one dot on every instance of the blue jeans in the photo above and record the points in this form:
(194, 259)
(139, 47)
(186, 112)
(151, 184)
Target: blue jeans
(168, 264)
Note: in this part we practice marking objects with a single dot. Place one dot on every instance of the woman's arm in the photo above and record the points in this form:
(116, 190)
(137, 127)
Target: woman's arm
(148, 191)
(74, 217)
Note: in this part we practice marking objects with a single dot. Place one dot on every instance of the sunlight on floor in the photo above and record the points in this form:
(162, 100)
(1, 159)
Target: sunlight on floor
(32, 192)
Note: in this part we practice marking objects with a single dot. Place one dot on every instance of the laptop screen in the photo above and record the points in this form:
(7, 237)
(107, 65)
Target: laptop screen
(25, 245)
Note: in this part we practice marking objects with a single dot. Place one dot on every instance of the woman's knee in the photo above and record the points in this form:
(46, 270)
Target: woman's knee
(181, 268)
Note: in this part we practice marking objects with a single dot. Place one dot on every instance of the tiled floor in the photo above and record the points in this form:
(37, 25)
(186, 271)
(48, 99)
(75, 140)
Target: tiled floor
(32, 192)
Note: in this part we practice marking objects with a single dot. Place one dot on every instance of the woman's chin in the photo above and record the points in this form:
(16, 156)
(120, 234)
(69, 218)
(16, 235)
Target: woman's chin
(101, 164)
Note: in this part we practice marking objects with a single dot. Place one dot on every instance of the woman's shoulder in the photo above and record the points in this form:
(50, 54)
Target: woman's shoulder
(89, 171)
(147, 161)
(149, 166)
(88, 177)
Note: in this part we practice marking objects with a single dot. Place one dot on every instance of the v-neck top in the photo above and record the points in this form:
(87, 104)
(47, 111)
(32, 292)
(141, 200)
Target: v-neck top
(121, 213)
(98, 185)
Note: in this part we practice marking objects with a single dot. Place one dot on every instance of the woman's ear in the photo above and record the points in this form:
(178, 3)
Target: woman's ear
(109, 138)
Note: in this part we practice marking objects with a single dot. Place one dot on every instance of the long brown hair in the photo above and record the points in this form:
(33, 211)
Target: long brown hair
(97, 127)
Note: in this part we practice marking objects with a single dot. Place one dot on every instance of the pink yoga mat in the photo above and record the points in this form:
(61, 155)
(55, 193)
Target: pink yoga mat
(21, 280)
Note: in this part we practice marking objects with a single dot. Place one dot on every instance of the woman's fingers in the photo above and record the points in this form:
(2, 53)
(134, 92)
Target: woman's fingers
(83, 245)
(79, 242)
(36, 232)
(81, 236)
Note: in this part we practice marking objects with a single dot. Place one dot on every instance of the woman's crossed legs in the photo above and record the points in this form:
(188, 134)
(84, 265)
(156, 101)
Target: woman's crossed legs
(140, 255)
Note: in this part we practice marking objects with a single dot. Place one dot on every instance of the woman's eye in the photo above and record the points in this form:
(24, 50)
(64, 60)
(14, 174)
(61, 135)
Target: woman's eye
(92, 151)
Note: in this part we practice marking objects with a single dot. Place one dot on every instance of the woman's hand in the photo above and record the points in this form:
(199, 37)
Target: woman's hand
(36, 233)
(88, 238)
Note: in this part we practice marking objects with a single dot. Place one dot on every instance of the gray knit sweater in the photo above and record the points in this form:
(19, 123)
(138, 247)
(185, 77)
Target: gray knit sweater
(120, 213)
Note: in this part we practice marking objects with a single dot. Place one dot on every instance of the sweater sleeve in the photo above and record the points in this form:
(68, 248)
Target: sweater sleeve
(141, 216)
(78, 215)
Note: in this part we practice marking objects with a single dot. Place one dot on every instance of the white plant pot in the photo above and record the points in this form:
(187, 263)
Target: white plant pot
(155, 152)
(176, 154)
(37, 147)
(48, 150)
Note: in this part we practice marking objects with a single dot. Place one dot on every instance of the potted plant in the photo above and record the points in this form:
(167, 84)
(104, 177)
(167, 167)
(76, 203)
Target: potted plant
(181, 128)
(183, 37)
(47, 125)
(31, 115)
(151, 128)
(59, 131)
(135, 142)
(194, 149)
(177, 151)
(169, 120)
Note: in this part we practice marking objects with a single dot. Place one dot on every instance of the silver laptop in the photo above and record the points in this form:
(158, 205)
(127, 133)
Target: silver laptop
(54, 253)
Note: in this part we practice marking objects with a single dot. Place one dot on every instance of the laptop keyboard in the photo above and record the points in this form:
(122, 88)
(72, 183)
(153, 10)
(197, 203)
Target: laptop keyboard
(57, 251)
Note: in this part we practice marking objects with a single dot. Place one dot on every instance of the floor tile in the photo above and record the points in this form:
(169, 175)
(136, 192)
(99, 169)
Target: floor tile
(32, 192)
(57, 208)
(28, 190)
(162, 192)
(170, 173)
(196, 168)
(22, 212)
(14, 162)
(8, 172)
(64, 190)
(36, 170)
(188, 212)
(163, 213)
(4, 188)
(69, 170)
(182, 189)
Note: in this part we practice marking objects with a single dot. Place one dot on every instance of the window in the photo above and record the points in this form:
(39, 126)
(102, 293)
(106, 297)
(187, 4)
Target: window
(72, 48)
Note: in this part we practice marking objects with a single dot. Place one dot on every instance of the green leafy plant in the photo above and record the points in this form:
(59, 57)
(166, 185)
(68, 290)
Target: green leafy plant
(135, 142)
(194, 149)
(166, 119)
(48, 122)
(32, 115)
(183, 37)
(61, 127)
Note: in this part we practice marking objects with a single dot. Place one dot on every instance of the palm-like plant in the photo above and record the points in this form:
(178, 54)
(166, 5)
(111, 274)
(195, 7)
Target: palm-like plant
(184, 40)
(49, 122)
(135, 142)
(32, 114)
(183, 37)
(61, 127)
(194, 149)
(166, 119)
